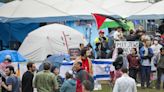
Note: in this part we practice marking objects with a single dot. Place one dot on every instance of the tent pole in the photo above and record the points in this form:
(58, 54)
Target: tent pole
(66, 41)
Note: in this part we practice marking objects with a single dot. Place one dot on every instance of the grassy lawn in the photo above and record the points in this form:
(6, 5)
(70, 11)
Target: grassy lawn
(106, 88)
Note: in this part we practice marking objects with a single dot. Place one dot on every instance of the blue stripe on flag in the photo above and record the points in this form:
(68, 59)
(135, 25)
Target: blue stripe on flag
(67, 64)
(102, 76)
(101, 62)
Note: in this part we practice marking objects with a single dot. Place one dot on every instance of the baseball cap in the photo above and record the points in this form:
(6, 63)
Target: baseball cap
(101, 31)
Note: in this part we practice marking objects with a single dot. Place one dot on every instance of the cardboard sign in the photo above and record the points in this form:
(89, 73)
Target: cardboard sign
(127, 46)
(74, 52)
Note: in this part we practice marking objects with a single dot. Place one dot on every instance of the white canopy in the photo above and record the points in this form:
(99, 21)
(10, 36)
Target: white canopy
(127, 9)
(76, 7)
(121, 7)
(28, 8)
(1, 4)
(155, 11)
(50, 39)
(21, 9)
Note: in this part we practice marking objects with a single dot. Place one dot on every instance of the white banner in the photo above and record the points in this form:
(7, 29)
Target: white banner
(127, 46)
(101, 68)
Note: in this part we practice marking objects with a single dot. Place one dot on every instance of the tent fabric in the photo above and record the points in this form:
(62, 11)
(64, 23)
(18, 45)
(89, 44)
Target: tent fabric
(15, 31)
(50, 40)
(71, 7)
(1, 4)
(15, 56)
(44, 9)
(155, 11)
(121, 7)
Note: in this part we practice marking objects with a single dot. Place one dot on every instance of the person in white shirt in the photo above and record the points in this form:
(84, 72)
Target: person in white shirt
(125, 83)
(118, 34)
(156, 50)
(156, 46)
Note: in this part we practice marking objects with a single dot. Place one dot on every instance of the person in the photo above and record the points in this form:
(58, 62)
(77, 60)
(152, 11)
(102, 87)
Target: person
(134, 63)
(156, 50)
(27, 78)
(7, 61)
(160, 67)
(81, 46)
(119, 63)
(146, 53)
(81, 75)
(121, 60)
(90, 52)
(44, 80)
(55, 71)
(86, 62)
(41, 66)
(86, 86)
(156, 46)
(161, 27)
(69, 84)
(131, 36)
(101, 45)
(12, 81)
(125, 83)
(118, 34)
(2, 78)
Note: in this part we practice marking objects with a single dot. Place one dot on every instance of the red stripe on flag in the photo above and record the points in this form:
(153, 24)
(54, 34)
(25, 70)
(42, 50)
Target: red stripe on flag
(99, 20)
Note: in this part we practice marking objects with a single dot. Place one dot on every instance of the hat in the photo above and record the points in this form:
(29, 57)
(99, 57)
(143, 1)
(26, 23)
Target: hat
(8, 57)
(101, 31)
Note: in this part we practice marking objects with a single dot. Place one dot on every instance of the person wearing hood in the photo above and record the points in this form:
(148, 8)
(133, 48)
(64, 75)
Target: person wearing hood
(69, 84)
(7, 62)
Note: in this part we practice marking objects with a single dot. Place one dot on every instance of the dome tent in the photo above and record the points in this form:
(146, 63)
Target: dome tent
(50, 39)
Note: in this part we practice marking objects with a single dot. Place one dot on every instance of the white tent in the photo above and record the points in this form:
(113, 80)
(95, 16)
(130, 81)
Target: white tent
(19, 9)
(155, 11)
(1, 4)
(127, 9)
(50, 39)
(76, 7)
(32, 9)
(121, 7)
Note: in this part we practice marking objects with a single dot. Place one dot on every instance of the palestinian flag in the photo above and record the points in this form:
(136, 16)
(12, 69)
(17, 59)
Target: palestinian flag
(105, 21)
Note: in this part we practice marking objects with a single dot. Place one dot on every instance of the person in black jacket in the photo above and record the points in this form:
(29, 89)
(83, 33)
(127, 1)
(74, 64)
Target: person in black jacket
(121, 60)
(27, 78)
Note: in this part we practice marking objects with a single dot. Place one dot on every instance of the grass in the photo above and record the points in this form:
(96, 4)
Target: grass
(106, 88)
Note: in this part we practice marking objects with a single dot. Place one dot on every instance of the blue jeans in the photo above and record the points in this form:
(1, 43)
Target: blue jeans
(145, 75)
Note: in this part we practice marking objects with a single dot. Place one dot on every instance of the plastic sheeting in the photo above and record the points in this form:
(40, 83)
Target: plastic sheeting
(15, 31)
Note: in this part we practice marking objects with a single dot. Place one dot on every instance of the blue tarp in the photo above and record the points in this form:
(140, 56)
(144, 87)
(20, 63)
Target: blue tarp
(15, 31)
(15, 56)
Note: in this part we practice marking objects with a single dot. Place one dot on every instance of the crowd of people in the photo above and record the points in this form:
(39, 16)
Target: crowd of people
(79, 79)
(128, 68)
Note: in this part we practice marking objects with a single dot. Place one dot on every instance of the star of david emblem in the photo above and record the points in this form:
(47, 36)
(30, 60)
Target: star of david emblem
(107, 69)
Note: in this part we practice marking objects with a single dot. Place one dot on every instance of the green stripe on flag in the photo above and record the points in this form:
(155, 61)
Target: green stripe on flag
(110, 24)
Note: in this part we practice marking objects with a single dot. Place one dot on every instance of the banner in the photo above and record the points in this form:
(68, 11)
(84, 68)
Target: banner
(101, 68)
(127, 46)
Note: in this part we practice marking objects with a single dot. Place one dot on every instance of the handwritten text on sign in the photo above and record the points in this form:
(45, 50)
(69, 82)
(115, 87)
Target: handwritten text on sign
(127, 45)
